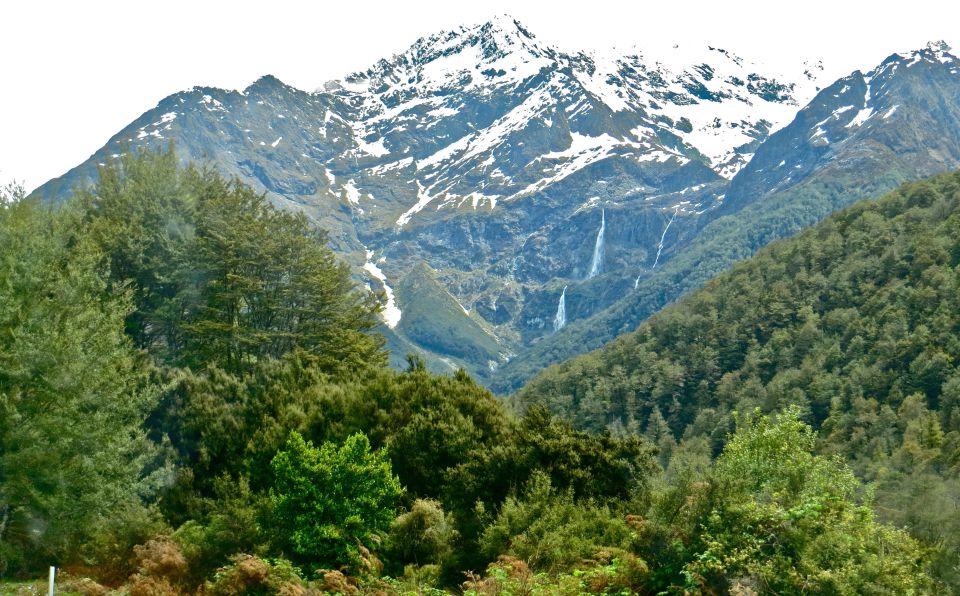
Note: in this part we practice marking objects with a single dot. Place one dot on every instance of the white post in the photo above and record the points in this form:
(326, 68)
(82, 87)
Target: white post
(53, 575)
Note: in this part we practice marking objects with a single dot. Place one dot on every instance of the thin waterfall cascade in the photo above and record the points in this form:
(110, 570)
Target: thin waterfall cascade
(662, 236)
(561, 319)
(636, 282)
(596, 265)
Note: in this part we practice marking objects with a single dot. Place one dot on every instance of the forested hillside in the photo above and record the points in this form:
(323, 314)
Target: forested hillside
(856, 322)
(194, 400)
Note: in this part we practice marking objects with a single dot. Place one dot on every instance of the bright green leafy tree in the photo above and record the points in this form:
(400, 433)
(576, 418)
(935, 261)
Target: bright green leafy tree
(330, 502)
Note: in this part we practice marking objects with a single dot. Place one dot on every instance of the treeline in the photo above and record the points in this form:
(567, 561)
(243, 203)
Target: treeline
(856, 322)
(194, 400)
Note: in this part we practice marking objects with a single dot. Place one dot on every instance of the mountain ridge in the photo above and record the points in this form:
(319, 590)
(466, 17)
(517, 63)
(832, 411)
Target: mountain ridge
(490, 166)
(871, 152)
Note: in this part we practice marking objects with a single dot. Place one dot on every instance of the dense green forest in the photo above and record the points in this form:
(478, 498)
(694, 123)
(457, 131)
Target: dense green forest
(193, 400)
(856, 322)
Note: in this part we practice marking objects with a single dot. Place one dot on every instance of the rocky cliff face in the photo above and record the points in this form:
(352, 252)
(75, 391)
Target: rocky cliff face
(904, 110)
(467, 178)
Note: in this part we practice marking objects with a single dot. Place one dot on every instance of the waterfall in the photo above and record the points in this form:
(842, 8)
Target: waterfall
(662, 236)
(561, 319)
(636, 282)
(597, 263)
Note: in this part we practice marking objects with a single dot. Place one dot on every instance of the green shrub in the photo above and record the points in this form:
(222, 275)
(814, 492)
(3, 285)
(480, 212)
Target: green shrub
(234, 526)
(549, 530)
(422, 536)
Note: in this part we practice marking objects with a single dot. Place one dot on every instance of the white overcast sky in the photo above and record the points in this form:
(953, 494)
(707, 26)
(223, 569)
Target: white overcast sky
(75, 72)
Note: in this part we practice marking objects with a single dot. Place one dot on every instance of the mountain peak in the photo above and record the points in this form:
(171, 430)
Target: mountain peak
(499, 51)
(507, 26)
(499, 37)
(938, 51)
(267, 80)
(933, 52)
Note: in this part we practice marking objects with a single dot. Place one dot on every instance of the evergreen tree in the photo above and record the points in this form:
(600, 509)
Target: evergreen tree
(219, 276)
(141, 213)
(267, 284)
(73, 396)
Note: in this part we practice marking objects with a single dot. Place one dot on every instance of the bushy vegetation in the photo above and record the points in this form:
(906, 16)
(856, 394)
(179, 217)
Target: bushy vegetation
(73, 396)
(194, 401)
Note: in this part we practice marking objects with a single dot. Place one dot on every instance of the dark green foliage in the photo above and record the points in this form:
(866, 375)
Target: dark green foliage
(73, 396)
(219, 275)
(601, 467)
(431, 423)
(331, 501)
(551, 531)
(225, 425)
(448, 439)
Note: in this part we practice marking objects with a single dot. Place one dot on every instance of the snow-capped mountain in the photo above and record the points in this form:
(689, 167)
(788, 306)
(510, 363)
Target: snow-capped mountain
(904, 106)
(859, 137)
(489, 114)
(480, 172)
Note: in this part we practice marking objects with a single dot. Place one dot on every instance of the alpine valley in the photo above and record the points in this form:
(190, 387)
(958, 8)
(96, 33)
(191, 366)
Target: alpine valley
(516, 205)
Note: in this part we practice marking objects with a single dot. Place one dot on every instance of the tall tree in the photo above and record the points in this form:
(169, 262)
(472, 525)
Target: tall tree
(267, 284)
(141, 214)
(73, 393)
(220, 276)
